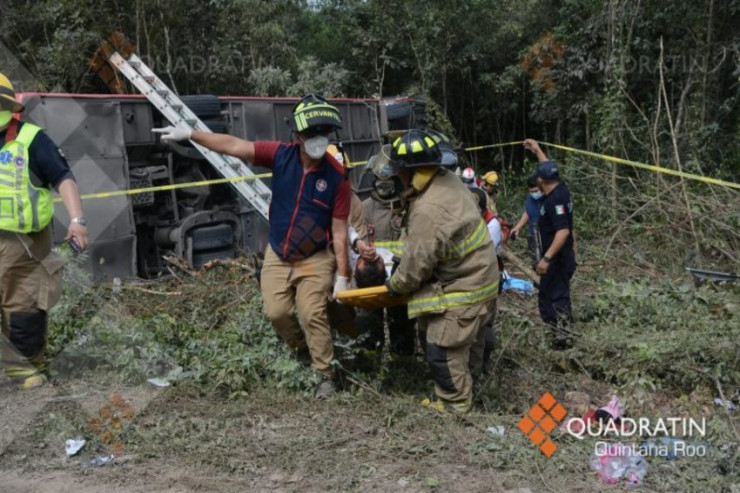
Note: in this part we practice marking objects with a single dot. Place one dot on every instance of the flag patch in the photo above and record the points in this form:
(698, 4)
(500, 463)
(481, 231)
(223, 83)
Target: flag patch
(559, 210)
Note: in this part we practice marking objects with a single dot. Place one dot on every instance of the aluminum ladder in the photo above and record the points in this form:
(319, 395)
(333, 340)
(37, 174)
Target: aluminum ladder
(256, 193)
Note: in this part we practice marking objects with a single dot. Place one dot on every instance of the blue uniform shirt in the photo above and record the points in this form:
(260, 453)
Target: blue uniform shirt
(556, 213)
(532, 206)
(46, 163)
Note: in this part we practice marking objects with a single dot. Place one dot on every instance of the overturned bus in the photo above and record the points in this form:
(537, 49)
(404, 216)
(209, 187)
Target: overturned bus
(135, 219)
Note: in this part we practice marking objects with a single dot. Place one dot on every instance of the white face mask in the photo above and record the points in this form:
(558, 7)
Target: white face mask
(316, 146)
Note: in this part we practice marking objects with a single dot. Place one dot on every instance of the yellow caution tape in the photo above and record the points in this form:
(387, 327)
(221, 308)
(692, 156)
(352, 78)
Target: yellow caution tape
(634, 164)
(173, 186)
(604, 157)
(649, 167)
(492, 146)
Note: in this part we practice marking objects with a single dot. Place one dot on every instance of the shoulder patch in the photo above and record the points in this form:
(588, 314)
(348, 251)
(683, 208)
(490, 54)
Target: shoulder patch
(559, 210)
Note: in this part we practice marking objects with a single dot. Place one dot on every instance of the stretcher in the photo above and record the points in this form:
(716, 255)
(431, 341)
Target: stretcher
(370, 298)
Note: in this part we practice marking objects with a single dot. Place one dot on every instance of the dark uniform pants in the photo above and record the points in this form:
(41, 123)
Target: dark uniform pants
(554, 292)
(30, 284)
(400, 328)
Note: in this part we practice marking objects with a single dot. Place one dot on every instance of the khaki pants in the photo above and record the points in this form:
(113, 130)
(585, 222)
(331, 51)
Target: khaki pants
(296, 294)
(30, 284)
(454, 338)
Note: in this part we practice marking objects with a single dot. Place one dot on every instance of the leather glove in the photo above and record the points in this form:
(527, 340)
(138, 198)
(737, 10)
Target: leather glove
(173, 134)
(340, 284)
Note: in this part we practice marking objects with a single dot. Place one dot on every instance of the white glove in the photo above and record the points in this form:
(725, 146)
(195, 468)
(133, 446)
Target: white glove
(173, 134)
(341, 284)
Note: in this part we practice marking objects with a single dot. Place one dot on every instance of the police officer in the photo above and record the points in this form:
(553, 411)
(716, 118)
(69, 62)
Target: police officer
(30, 273)
(558, 263)
(308, 227)
(446, 268)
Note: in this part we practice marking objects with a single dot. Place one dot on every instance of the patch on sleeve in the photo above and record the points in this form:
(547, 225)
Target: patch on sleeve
(559, 210)
(61, 154)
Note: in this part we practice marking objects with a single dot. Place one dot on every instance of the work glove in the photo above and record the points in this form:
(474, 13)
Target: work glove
(173, 134)
(391, 292)
(340, 284)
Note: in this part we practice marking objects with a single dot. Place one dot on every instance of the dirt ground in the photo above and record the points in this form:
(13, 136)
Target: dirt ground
(180, 440)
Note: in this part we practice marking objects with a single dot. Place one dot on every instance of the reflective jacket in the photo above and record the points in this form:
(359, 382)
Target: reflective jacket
(449, 259)
(24, 208)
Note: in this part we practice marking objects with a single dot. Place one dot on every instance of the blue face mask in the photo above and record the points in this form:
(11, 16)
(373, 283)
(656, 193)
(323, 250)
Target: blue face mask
(536, 195)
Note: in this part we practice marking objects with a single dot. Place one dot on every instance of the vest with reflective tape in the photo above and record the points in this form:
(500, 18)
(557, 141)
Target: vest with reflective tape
(24, 208)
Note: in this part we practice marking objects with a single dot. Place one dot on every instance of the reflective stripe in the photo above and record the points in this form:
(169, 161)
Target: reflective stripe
(7, 183)
(395, 247)
(19, 188)
(6, 172)
(440, 303)
(476, 240)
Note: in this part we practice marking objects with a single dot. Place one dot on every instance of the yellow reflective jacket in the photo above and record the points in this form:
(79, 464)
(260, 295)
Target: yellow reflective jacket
(449, 259)
(24, 208)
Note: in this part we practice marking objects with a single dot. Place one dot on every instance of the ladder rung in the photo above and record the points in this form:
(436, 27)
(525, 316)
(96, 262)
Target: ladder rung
(172, 108)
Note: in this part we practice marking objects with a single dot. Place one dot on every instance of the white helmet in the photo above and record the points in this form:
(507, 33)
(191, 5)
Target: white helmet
(468, 175)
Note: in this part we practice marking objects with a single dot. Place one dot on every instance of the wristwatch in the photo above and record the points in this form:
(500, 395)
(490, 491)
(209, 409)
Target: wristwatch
(79, 220)
(546, 259)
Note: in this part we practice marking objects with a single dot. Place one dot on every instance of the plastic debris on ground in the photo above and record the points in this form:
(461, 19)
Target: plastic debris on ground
(729, 405)
(71, 447)
(99, 461)
(619, 462)
(159, 382)
(519, 286)
(496, 430)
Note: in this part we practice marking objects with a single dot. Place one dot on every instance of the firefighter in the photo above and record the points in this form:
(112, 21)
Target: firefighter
(489, 184)
(308, 243)
(383, 210)
(446, 269)
(30, 273)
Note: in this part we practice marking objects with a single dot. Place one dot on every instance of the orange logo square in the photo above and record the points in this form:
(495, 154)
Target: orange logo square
(541, 420)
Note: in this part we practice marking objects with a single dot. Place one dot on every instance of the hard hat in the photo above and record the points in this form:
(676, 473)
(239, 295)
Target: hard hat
(314, 115)
(415, 148)
(7, 96)
(449, 156)
(381, 166)
(491, 178)
(468, 175)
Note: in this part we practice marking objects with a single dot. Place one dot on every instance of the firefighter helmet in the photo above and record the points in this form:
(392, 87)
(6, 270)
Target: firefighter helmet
(381, 166)
(449, 155)
(314, 115)
(468, 175)
(490, 178)
(415, 148)
(7, 96)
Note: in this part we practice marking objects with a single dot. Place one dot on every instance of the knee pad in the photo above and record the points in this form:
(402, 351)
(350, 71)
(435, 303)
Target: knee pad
(28, 332)
(437, 359)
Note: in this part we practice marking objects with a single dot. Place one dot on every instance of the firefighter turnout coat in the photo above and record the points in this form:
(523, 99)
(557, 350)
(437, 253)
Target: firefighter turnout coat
(448, 258)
